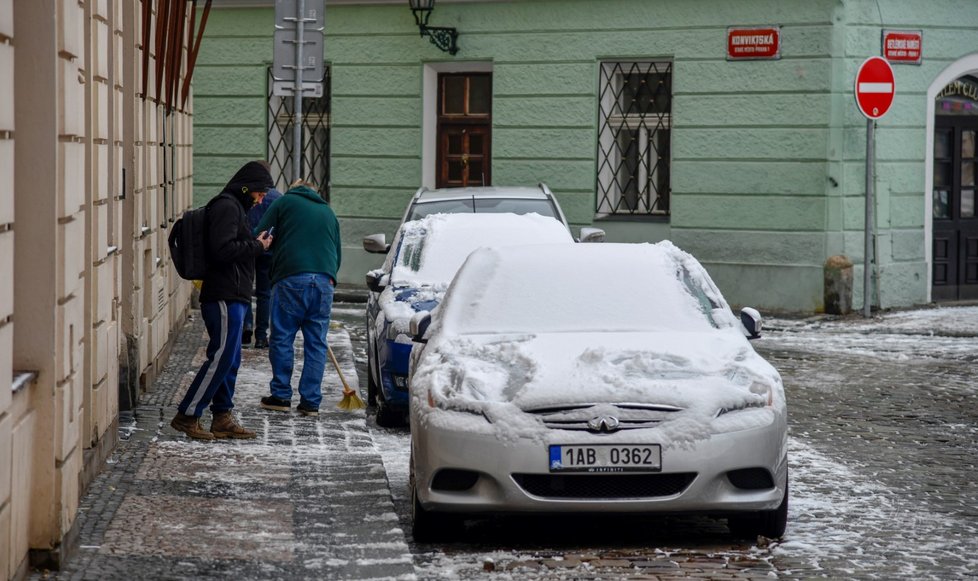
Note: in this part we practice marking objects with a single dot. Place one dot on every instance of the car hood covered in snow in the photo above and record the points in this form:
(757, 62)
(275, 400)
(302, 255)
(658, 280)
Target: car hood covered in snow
(703, 370)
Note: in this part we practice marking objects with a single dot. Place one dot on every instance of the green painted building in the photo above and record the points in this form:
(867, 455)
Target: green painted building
(645, 118)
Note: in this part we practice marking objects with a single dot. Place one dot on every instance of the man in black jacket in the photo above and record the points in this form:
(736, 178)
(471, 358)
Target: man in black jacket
(224, 298)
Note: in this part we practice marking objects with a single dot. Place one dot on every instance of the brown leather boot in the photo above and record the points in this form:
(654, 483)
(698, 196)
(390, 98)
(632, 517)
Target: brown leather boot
(225, 425)
(190, 425)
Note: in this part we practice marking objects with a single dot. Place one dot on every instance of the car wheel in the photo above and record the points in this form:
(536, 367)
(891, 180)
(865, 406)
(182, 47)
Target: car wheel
(371, 382)
(429, 527)
(387, 416)
(765, 523)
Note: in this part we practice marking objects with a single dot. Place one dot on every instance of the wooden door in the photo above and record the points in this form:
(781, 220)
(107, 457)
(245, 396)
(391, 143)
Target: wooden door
(955, 236)
(464, 130)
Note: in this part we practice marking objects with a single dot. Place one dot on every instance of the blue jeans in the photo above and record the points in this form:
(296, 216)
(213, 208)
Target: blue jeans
(302, 301)
(263, 292)
(214, 382)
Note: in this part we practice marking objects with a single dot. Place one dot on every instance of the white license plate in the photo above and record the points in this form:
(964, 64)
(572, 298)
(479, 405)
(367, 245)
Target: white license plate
(606, 458)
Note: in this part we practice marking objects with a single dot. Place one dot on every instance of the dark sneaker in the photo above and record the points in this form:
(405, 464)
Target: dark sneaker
(270, 402)
(261, 343)
(225, 425)
(190, 425)
(246, 337)
(307, 410)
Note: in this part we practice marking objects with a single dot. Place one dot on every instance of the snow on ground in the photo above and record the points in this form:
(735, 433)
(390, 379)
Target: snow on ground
(930, 333)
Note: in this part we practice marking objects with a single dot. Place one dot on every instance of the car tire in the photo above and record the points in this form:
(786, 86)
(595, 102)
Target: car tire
(765, 523)
(431, 527)
(371, 382)
(388, 417)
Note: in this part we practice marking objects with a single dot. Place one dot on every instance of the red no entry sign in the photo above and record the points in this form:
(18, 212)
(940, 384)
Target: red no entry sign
(875, 87)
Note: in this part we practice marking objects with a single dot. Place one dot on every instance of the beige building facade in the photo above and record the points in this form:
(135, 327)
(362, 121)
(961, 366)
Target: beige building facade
(92, 174)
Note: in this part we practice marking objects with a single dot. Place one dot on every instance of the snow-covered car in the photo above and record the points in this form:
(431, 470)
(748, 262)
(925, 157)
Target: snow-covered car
(593, 378)
(482, 200)
(425, 256)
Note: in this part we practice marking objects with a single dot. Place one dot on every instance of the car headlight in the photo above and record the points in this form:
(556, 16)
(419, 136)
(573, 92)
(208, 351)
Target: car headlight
(758, 388)
(442, 404)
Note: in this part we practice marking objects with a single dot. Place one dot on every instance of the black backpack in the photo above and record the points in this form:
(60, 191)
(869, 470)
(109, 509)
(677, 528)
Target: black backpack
(187, 241)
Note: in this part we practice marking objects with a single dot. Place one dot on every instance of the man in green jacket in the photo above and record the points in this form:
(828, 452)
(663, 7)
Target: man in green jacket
(305, 260)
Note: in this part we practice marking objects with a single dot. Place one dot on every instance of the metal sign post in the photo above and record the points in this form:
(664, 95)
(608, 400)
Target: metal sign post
(298, 23)
(874, 91)
(297, 94)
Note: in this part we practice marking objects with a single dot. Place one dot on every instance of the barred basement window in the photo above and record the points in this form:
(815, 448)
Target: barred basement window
(315, 137)
(633, 154)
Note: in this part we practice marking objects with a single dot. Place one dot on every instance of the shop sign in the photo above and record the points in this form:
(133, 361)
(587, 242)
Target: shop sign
(903, 46)
(753, 43)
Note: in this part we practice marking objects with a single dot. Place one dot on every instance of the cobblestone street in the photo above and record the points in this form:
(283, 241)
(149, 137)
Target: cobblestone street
(883, 431)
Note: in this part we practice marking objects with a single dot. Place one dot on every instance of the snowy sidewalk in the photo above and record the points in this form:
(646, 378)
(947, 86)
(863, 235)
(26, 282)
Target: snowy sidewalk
(307, 499)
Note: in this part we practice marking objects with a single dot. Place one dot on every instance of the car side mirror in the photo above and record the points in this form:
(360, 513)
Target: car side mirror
(376, 244)
(592, 235)
(751, 320)
(419, 326)
(377, 280)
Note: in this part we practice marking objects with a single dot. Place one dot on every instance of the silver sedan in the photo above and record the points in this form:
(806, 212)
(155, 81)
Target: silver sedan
(593, 378)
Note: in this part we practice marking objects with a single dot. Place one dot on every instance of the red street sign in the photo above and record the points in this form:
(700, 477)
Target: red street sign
(874, 87)
(754, 43)
(902, 46)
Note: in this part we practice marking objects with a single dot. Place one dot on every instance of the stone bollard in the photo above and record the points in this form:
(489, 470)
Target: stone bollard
(838, 285)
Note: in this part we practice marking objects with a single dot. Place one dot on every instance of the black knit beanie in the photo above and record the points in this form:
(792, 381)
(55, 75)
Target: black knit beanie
(252, 177)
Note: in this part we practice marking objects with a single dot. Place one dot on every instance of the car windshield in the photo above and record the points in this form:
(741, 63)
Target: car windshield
(585, 288)
(540, 206)
(422, 209)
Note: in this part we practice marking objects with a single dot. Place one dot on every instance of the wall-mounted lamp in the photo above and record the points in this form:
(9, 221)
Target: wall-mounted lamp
(441, 36)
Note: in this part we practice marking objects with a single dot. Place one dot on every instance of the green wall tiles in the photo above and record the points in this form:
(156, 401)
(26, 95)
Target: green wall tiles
(752, 247)
(380, 111)
(559, 174)
(371, 81)
(748, 177)
(751, 110)
(376, 172)
(230, 110)
(243, 22)
(369, 49)
(907, 211)
(559, 111)
(754, 143)
(233, 82)
(785, 76)
(768, 213)
(535, 142)
(249, 141)
(236, 51)
(374, 142)
(540, 78)
(370, 203)
(907, 245)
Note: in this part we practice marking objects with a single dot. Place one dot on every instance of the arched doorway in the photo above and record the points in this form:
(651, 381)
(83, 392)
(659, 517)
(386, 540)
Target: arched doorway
(955, 238)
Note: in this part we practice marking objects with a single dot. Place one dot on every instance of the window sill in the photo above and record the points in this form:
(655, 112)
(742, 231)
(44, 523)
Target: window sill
(653, 218)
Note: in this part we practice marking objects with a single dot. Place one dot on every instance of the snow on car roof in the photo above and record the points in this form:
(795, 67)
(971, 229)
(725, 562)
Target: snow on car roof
(433, 248)
(585, 287)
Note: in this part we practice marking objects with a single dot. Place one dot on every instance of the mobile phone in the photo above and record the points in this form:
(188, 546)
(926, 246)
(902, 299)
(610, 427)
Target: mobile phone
(271, 231)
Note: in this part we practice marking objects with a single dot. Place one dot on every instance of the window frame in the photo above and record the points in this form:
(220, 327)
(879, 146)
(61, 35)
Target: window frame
(651, 200)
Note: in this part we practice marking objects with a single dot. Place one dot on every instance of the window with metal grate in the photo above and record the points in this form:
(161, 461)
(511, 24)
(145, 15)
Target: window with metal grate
(315, 137)
(633, 153)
